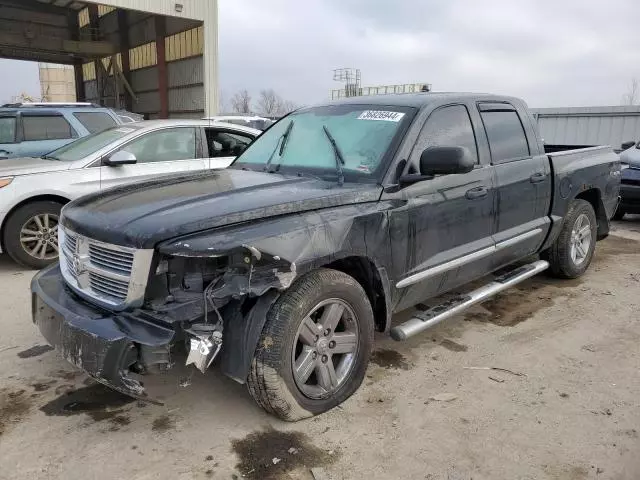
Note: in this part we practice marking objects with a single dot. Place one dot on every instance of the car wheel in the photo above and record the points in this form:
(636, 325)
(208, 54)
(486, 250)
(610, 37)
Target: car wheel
(314, 348)
(619, 215)
(31, 234)
(572, 252)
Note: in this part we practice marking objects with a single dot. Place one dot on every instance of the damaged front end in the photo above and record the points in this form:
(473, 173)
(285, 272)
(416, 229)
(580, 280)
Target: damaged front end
(215, 306)
(207, 298)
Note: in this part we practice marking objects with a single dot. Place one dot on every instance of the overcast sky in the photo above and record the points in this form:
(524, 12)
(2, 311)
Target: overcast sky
(549, 52)
(18, 77)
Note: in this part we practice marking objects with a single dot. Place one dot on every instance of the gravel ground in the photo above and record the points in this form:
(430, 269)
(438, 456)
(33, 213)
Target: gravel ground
(540, 383)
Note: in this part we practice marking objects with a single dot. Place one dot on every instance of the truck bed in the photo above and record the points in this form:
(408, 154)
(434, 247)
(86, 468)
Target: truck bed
(587, 171)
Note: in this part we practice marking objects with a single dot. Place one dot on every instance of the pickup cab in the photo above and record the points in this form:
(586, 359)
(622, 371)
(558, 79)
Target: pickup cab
(281, 267)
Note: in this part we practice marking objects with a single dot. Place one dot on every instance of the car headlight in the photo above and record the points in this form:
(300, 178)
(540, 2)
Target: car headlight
(5, 181)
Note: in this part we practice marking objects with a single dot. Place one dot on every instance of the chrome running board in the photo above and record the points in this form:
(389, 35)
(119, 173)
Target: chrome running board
(458, 304)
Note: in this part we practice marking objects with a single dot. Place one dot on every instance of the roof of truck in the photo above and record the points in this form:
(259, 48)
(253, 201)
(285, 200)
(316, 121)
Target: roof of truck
(419, 100)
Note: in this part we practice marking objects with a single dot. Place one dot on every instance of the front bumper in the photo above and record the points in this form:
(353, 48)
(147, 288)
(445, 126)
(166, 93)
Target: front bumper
(104, 344)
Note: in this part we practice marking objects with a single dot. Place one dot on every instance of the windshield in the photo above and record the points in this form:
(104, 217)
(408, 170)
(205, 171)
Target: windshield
(86, 146)
(362, 133)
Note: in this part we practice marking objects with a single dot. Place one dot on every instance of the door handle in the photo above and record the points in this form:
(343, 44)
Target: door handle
(537, 177)
(478, 192)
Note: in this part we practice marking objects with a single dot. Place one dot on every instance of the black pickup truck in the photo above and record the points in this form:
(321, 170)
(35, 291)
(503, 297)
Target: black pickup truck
(282, 266)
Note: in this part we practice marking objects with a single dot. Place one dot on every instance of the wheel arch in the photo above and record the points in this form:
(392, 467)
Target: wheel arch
(39, 198)
(374, 281)
(594, 197)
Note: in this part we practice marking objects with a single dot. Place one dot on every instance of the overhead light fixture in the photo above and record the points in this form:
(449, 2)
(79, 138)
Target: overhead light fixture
(179, 7)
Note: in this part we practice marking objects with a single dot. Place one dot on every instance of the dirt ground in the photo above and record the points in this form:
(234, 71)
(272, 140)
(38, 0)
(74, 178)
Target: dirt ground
(540, 383)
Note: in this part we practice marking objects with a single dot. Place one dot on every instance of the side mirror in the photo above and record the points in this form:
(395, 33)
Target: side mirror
(627, 145)
(446, 161)
(120, 158)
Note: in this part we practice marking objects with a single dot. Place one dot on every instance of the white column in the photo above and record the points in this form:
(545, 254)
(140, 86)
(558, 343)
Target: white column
(210, 57)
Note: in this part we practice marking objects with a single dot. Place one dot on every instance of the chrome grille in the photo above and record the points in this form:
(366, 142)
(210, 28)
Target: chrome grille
(111, 275)
(108, 286)
(70, 243)
(121, 262)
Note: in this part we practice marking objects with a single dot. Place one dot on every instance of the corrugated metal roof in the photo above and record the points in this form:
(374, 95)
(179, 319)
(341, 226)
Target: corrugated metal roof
(599, 125)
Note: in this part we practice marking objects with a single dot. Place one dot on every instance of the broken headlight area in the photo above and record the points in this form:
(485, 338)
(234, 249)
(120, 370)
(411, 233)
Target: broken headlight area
(195, 293)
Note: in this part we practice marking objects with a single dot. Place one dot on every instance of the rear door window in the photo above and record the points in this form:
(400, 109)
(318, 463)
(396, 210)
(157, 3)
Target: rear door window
(226, 144)
(507, 140)
(95, 121)
(46, 127)
(7, 129)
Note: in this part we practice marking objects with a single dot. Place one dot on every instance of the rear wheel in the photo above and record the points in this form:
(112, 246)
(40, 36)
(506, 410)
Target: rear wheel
(31, 234)
(314, 348)
(572, 252)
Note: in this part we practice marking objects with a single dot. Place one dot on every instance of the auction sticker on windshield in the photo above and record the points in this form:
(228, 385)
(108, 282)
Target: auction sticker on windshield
(381, 115)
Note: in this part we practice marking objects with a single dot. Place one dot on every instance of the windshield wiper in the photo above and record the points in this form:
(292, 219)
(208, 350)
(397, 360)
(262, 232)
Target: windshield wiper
(282, 143)
(338, 154)
(49, 157)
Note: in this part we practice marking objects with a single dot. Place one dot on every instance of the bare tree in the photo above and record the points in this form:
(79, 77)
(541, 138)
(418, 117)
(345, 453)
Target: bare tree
(633, 92)
(241, 102)
(222, 102)
(269, 102)
(287, 106)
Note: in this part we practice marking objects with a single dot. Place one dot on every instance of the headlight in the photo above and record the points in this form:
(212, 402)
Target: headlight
(5, 181)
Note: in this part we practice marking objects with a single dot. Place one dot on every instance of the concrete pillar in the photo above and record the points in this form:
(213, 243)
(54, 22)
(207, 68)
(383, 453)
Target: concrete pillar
(163, 76)
(211, 57)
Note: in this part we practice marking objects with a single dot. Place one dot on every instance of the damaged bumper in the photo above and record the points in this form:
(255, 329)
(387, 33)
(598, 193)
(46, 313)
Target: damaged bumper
(105, 345)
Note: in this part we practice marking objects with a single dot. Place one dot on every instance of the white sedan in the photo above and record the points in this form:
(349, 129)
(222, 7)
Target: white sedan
(33, 190)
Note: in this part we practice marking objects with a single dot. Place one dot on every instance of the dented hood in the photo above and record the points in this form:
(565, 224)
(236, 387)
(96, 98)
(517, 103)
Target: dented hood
(144, 214)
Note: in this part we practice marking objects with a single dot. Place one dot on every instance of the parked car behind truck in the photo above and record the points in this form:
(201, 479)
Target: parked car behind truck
(630, 189)
(281, 267)
(33, 129)
(33, 190)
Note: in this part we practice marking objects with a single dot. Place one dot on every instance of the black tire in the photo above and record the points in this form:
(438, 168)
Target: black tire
(14, 225)
(619, 215)
(561, 263)
(271, 379)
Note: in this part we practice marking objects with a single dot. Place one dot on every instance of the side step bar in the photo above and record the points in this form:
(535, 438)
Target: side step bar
(456, 305)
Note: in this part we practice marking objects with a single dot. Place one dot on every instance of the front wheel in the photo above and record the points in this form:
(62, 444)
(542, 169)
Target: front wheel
(31, 234)
(314, 348)
(572, 252)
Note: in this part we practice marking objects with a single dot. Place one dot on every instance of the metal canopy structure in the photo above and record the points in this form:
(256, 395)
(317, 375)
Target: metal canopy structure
(154, 57)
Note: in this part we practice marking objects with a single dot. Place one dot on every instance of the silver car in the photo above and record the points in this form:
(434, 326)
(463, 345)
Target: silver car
(33, 190)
